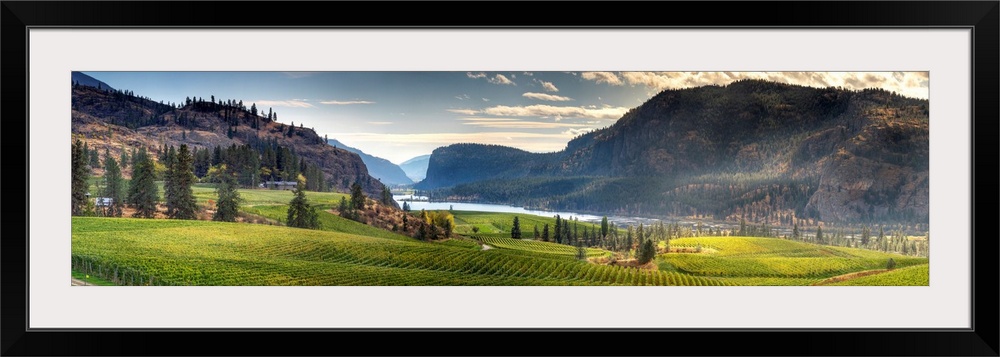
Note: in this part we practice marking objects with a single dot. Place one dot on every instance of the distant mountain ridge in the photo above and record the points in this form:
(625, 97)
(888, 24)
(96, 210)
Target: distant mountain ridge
(416, 168)
(378, 167)
(85, 80)
(756, 149)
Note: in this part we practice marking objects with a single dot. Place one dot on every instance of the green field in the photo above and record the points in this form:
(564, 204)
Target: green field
(539, 247)
(129, 251)
(918, 275)
(772, 261)
(177, 252)
(499, 224)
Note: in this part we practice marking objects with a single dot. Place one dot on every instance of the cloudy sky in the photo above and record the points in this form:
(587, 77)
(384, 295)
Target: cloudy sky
(400, 115)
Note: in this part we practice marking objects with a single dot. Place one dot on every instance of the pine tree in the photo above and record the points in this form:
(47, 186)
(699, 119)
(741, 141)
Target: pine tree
(185, 205)
(114, 186)
(515, 231)
(604, 226)
(558, 230)
(537, 233)
(545, 233)
(357, 197)
(300, 213)
(819, 235)
(142, 191)
(80, 176)
(228, 203)
(796, 235)
(646, 252)
(170, 187)
(386, 196)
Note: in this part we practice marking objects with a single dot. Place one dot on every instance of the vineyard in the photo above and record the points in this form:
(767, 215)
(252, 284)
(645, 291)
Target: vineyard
(536, 246)
(176, 252)
(918, 275)
(771, 261)
(500, 223)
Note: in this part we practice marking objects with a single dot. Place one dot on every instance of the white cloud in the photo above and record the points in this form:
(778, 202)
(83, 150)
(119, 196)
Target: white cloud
(380, 122)
(602, 77)
(462, 97)
(541, 110)
(464, 111)
(548, 86)
(475, 75)
(486, 99)
(292, 103)
(529, 74)
(534, 142)
(346, 102)
(548, 97)
(501, 79)
(508, 123)
(911, 84)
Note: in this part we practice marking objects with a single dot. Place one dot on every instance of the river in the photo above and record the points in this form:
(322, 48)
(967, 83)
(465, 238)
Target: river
(419, 203)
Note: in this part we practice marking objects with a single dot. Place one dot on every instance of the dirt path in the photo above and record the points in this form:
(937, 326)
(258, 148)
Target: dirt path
(486, 247)
(78, 282)
(850, 276)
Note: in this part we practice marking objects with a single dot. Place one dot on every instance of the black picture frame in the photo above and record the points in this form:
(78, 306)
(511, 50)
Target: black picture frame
(982, 17)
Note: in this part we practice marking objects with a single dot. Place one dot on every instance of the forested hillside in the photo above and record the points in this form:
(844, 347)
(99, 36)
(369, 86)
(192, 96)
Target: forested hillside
(763, 151)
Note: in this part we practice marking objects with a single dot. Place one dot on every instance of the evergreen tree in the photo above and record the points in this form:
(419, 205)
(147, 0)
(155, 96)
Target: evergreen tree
(123, 159)
(515, 231)
(537, 233)
(95, 161)
(345, 209)
(114, 186)
(604, 226)
(406, 206)
(170, 187)
(357, 197)
(796, 235)
(558, 230)
(891, 264)
(185, 205)
(545, 233)
(819, 235)
(142, 191)
(386, 196)
(228, 203)
(865, 236)
(80, 176)
(300, 213)
(646, 252)
(581, 253)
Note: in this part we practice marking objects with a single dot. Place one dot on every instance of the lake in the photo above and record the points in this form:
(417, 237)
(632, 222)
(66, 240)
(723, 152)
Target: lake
(418, 203)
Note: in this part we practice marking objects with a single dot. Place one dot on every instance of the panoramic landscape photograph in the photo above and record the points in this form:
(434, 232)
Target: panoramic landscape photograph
(511, 178)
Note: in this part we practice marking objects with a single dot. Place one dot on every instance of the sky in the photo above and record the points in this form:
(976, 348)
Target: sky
(401, 115)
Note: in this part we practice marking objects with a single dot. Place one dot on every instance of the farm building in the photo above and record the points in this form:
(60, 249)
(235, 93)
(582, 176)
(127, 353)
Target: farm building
(278, 185)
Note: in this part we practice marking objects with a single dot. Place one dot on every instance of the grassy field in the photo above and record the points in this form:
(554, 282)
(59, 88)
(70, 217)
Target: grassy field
(176, 252)
(91, 279)
(918, 275)
(499, 224)
(771, 261)
(127, 251)
(540, 247)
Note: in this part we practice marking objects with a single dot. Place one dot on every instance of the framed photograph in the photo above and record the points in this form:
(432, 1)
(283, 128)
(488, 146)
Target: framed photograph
(214, 174)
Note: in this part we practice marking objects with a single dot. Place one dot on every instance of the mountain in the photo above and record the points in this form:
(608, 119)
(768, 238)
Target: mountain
(378, 167)
(416, 168)
(763, 151)
(85, 80)
(120, 120)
